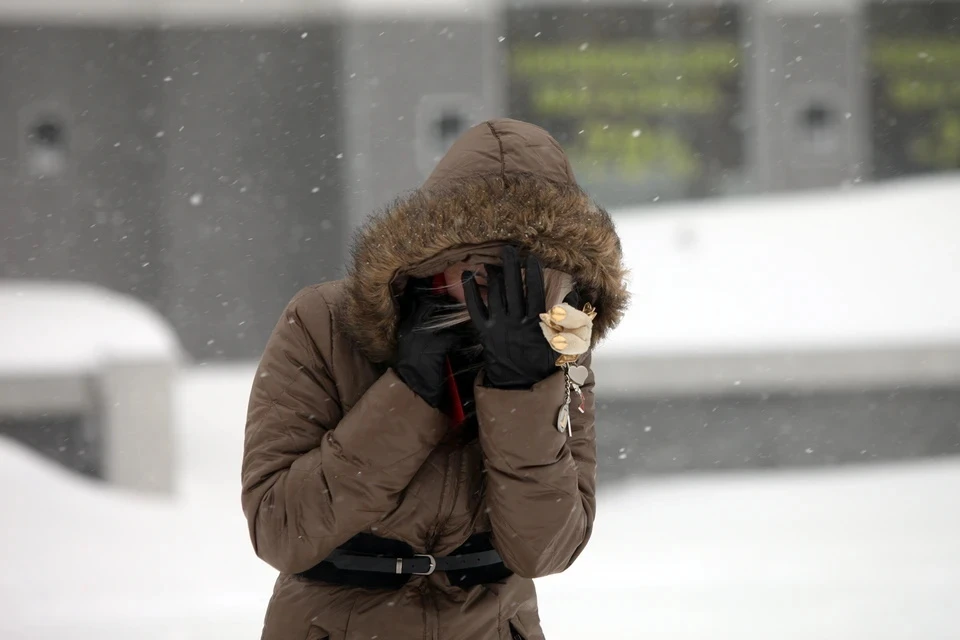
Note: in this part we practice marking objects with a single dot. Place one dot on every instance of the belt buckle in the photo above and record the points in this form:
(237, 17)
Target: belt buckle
(433, 564)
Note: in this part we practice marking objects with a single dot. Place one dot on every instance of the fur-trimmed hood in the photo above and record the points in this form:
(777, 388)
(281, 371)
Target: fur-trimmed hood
(503, 181)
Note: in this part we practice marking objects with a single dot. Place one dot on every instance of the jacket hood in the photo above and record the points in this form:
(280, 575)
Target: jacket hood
(502, 182)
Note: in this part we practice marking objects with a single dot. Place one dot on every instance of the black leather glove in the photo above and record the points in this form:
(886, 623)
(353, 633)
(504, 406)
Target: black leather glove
(422, 353)
(515, 353)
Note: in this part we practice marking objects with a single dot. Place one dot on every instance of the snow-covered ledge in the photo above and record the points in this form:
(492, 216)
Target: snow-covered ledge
(819, 291)
(74, 349)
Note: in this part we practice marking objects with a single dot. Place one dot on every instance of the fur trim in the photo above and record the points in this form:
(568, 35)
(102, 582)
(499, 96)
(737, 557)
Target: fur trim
(558, 223)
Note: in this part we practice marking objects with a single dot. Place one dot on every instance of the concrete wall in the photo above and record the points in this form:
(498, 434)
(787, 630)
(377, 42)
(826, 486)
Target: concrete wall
(814, 114)
(707, 433)
(199, 169)
(410, 88)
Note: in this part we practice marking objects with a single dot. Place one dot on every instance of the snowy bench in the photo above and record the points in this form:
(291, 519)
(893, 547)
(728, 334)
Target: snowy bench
(87, 378)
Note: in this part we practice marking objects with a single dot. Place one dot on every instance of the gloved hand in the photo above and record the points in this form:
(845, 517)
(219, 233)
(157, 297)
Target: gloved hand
(421, 352)
(515, 353)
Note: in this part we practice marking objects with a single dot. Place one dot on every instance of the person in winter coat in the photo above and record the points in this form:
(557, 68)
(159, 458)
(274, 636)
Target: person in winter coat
(420, 436)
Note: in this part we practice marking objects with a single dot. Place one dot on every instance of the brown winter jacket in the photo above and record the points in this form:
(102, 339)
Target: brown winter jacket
(336, 444)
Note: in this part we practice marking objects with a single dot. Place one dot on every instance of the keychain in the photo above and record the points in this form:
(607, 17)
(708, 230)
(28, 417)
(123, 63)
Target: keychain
(568, 330)
(574, 377)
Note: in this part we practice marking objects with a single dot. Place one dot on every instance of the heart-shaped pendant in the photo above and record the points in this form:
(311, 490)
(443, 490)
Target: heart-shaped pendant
(578, 374)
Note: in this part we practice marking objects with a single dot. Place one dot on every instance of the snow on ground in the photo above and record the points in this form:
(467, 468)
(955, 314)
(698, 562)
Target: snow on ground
(87, 562)
(868, 554)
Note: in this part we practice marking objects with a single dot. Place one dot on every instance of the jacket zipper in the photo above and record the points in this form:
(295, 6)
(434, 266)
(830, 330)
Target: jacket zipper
(435, 530)
(448, 502)
(448, 496)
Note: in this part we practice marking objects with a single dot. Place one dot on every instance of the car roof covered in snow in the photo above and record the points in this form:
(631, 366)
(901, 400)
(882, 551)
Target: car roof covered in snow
(837, 286)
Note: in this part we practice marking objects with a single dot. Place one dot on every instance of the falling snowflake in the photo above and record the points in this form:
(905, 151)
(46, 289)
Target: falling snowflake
(196, 199)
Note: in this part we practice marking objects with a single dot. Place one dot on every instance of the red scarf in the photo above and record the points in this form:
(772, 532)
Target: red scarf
(454, 407)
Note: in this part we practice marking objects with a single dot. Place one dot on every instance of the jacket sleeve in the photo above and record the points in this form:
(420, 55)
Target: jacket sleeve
(540, 483)
(312, 478)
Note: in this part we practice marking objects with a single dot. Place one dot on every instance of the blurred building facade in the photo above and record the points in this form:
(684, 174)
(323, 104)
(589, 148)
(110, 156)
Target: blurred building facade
(212, 158)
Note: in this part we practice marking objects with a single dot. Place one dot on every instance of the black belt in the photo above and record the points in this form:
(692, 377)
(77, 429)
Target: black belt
(420, 564)
(371, 562)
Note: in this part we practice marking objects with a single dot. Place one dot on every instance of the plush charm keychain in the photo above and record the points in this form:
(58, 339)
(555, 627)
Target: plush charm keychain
(569, 330)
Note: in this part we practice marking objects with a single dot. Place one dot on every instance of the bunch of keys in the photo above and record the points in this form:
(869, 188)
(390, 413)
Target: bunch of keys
(574, 376)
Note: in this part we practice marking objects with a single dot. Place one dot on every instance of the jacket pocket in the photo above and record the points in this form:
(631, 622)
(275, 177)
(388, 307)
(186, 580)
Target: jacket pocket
(514, 634)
